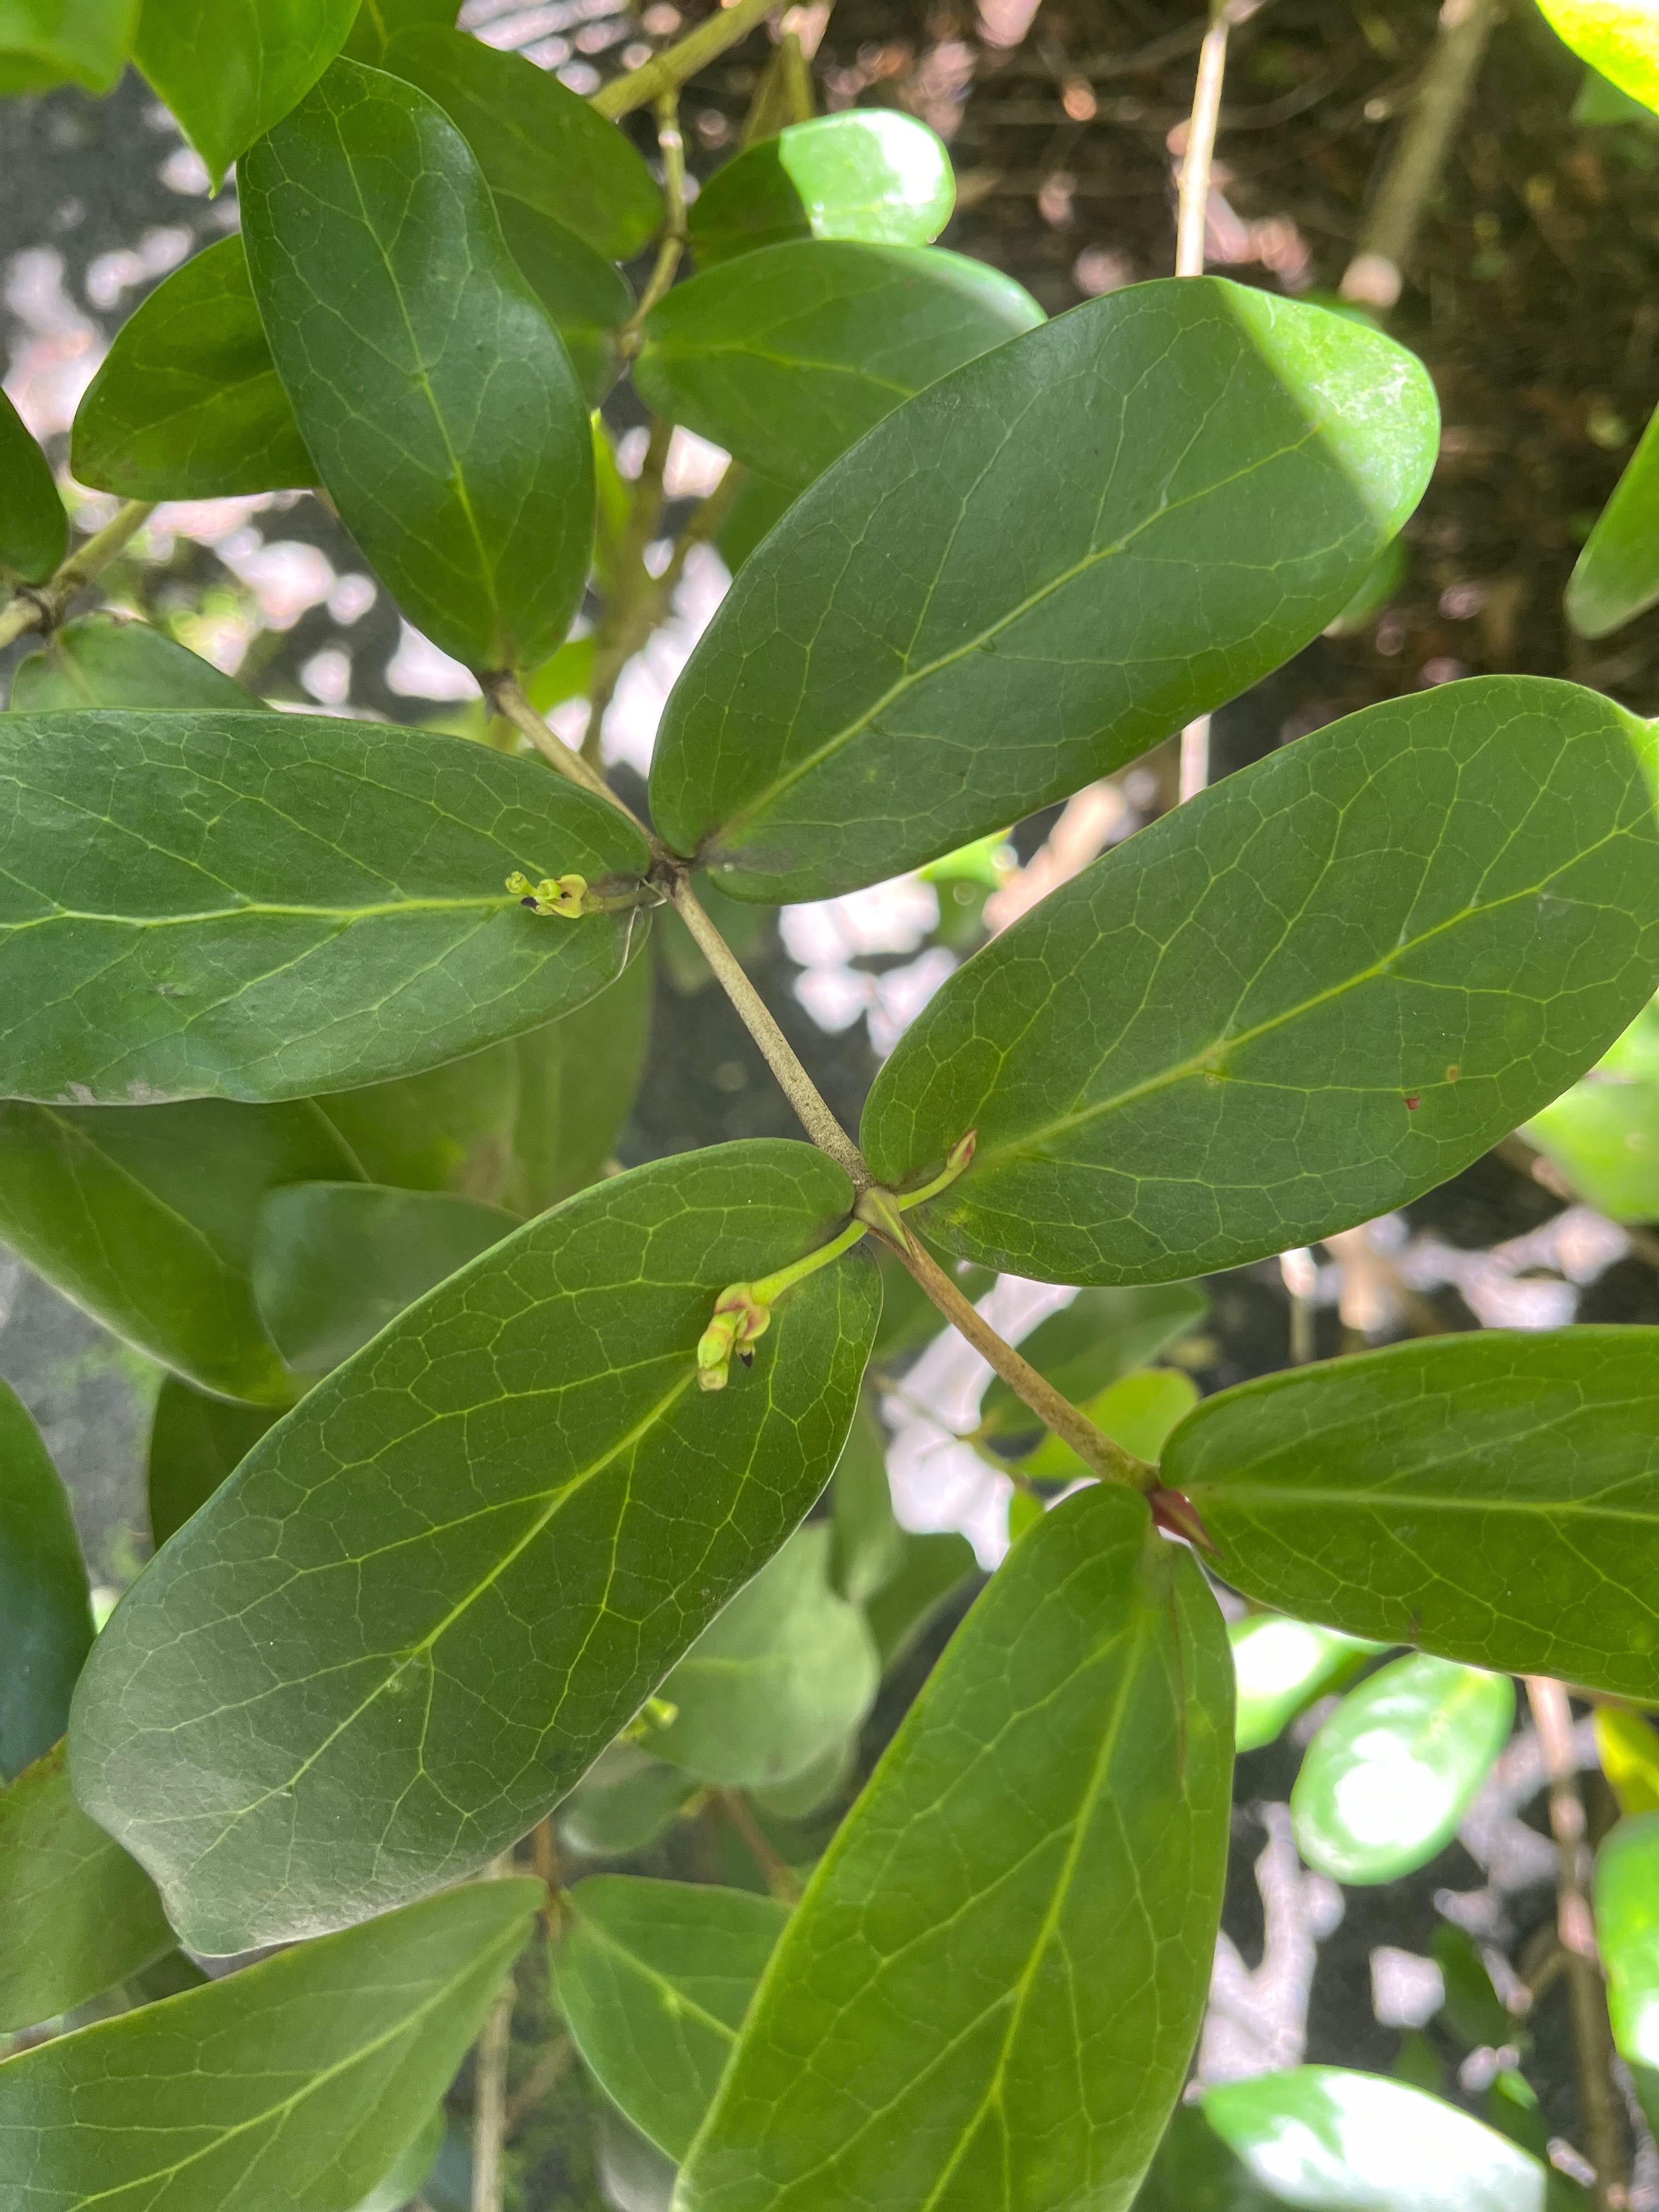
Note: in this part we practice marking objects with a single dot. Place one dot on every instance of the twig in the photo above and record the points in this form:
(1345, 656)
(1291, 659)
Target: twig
(1591, 2035)
(668, 71)
(489, 2104)
(546, 2074)
(1199, 153)
(780, 1876)
(507, 696)
(44, 606)
(1374, 276)
(671, 139)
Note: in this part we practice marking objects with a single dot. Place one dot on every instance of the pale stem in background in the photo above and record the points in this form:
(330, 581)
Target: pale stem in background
(1301, 1275)
(780, 1876)
(490, 2104)
(1083, 832)
(668, 71)
(671, 143)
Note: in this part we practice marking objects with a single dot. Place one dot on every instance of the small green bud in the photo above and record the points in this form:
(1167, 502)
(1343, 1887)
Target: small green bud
(740, 1318)
(565, 896)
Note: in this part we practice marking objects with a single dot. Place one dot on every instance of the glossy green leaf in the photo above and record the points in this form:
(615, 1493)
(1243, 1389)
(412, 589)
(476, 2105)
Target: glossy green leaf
(104, 660)
(1620, 38)
(187, 404)
(932, 1570)
(779, 1678)
(433, 1593)
(536, 141)
(435, 396)
(654, 1979)
(1334, 2142)
(33, 527)
(1603, 1134)
(146, 1219)
(1195, 2172)
(808, 1793)
(758, 506)
(1101, 1336)
(866, 1543)
(1317, 990)
(76, 1913)
(1031, 572)
(292, 2085)
(45, 1616)
(196, 1443)
(787, 356)
(231, 69)
(1042, 1842)
(1627, 1937)
(872, 173)
(624, 1803)
(1386, 1782)
(378, 22)
(588, 297)
(333, 1262)
(47, 42)
(1617, 575)
(258, 906)
(1628, 1748)
(1282, 1666)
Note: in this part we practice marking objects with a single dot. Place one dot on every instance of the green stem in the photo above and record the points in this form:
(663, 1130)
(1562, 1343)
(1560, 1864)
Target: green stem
(43, 607)
(676, 64)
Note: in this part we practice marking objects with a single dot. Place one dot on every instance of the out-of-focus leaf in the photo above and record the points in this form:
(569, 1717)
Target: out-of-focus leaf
(932, 1569)
(196, 1443)
(1282, 1666)
(623, 1803)
(1383, 582)
(1599, 104)
(576, 1084)
(758, 506)
(481, 1544)
(378, 22)
(76, 1914)
(1472, 2008)
(1103, 1335)
(654, 1979)
(787, 356)
(777, 1680)
(1618, 37)
(811, 1790)
(102, 660)
(231, 69)
(1629, 1751)
(1388, 1779)
(1627, 1937)
(47, 42)
(187, 403)
(1195, 2172)
(587, 298)
(1603, 1133)
(146, 1219)
(408, 2172)
(333, 1262)
(1138, 1413)
(45, 1614)
(1334, 2142)
(432, 391)
(1617, 575)
(867, 1545)
(874, 173)
(33, 527)
(295, 2084)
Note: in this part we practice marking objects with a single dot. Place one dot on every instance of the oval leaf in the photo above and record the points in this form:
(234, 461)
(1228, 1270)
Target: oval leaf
(476, 1549)
(47, 42)
(654, 1979)
(1044, 1839)
(435, 396)
(45, 1615)
(187, 404)
(258, 906)
(1618, 37)
(1388, 1777)
(1627, 1937)
(76, 1913)
(1494, 1497)
(33, 527)
(787, 355)
(229, 69)
(1317, 991)
(196, 1443)
(1281, 1666)
(102, 660)
(1603, 1133)
(295, 2083)
(146, 1219)
(1031, 572)
(785, 1674)
(872, 174)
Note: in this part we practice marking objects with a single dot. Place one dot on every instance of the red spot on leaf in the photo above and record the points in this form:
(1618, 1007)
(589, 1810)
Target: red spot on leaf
(1412, 1105)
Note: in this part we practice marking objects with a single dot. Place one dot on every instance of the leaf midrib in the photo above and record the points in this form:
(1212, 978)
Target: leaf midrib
(1224, 1491)
(266, 909)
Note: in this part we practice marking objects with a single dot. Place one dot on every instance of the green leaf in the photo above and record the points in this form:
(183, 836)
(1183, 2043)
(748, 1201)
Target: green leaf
(1042, 1842)
(196, 1443)
(781, 1677)
(293, 2084)
(1100, 1338)
(1281, 1666)
(654, 1979)
(47, 42)
(1486, 1496)
(624, 1803)
(231, 69)
(146, 1219)
(1620, 38)
(1601, 105)
(1472, 2008)
(433, 1594)
(1319, 989)
(45, 1615)
(1388, 1777)
(333, 1262)
(866, 1544)
(932, 1569)
(187, 404)
(435, 396)
(1627, 1937)
(407, 2176)
(104, 660)
(1033, 572)
(450, 1128)
(873, 174)
(378, 22)
(587, 298)
(1628, 1749)
(1335, 2142)
(810, 1791)
(758, 506)
(78, 1914)
(1195, 2172)
(258, 906)
(1617, 575)
(787, 357)
(1603, 1134)
(33, 527)
(536, 141)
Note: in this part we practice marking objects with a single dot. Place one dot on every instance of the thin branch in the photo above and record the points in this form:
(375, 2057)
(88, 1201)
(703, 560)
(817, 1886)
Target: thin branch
(671, 139)
(43, 607)
(676, 64)
(779, 1875)
(1200, 151)
(1591, 2035)
(490, 2104)
(507, 696)
(547, 2073)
